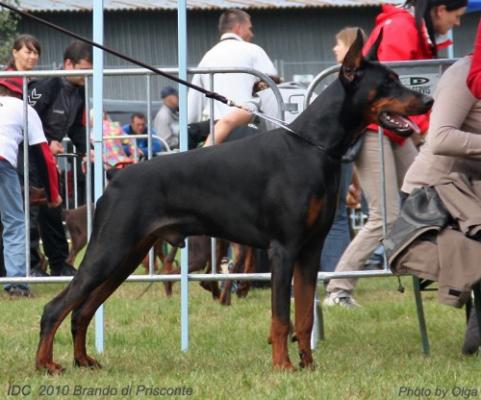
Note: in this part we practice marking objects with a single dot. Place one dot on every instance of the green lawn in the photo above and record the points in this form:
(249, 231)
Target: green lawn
(369, 353)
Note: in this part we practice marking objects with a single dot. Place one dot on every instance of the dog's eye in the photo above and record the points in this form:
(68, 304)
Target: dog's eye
(389, 81)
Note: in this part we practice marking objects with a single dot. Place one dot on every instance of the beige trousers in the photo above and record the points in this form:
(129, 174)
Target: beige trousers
(397, 159)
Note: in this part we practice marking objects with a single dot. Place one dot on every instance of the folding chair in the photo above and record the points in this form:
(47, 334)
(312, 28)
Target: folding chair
(423, 285)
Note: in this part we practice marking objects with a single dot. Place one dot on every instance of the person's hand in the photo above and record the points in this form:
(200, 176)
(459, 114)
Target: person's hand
(37, 196)
(84, 161)
(353, 197)
(56, 147)
(55, 203)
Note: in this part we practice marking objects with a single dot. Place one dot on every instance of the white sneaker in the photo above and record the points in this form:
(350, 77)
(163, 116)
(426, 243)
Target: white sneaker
(225, 265)
(342, 298)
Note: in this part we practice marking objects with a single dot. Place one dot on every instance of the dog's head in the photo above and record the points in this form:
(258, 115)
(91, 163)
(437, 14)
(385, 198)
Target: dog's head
(377, 91)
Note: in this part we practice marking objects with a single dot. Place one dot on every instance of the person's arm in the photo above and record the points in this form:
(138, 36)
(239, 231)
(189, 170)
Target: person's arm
(41, 94)
(399, 42)
(263, 63)
(195, 101)
(453, 103)
(162, 127)
(77, 132)
(43, 158)
(47, 169)
(227, 124)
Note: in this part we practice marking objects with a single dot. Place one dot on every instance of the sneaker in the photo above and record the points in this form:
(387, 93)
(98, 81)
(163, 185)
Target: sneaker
(376, 261)
(38, 273)
(343, 299)
(225, 265)
(19, 291)
(472, 340)
(64, 270)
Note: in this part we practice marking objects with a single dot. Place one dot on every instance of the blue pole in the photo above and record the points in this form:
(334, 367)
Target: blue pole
(98, 33)
(184, 262)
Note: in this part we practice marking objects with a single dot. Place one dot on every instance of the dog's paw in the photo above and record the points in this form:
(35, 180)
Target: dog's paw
(51, 368)
(87, 362)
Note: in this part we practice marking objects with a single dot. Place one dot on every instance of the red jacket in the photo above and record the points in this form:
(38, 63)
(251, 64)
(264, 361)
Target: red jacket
(400, 42)
(474, 76)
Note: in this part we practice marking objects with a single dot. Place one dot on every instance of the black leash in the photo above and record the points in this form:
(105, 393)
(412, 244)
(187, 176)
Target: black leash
(209, 94)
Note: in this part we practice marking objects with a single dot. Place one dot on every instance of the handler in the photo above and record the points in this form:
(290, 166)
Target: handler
(448, 165)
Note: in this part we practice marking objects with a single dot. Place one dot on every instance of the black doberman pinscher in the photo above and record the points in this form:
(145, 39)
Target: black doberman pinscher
(275, 190)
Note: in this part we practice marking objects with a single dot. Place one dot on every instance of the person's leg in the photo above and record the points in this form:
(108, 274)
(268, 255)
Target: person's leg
(13, 223)
(404, 156)
(2, 262)
(338, 237)
(366, 241)
(54, 240)
(35, 258)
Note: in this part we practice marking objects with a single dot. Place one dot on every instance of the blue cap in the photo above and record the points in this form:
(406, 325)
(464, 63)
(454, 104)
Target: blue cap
(167, 91)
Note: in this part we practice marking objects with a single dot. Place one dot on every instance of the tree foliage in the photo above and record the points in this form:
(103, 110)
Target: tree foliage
(8, 30)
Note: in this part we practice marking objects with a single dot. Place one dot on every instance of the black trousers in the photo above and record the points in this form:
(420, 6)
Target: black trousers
(45, 223)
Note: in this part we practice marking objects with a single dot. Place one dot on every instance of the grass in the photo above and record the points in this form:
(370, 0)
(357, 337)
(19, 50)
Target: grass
(369, 353)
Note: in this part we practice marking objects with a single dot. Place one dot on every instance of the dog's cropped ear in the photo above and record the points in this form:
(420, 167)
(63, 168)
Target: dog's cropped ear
(372, 54)
(353, 59)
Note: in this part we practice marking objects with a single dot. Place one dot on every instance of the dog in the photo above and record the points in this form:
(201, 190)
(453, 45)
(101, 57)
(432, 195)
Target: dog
(284, 187)
(200, 259)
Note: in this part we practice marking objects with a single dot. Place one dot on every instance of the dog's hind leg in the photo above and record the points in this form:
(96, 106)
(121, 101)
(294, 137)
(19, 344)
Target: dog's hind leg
(82, 315)
(53, 315)
(305, 276)
(125, 262)
(281, 266)
(102, 266)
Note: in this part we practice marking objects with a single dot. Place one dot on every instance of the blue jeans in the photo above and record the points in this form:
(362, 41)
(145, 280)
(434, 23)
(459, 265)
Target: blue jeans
(338, 237)
(12, 215)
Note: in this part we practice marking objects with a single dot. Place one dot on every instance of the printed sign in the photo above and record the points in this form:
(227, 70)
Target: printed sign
(423, 83)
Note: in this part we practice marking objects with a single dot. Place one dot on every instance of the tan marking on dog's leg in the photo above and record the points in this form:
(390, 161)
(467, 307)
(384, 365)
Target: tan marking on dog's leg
(278, 338)
(304, 298)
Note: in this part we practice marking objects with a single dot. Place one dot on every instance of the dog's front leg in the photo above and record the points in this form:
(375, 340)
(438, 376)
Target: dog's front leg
(305, 276)
(281, 266)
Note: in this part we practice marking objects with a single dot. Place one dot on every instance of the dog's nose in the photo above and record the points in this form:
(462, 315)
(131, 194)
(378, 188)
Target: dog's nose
(428, 101)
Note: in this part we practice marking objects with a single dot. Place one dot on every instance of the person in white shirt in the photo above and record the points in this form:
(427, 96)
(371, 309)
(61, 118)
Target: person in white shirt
(233, 50)
(11, 203)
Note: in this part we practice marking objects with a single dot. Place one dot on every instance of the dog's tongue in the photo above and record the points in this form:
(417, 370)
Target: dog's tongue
(404, 122)
(413, 126)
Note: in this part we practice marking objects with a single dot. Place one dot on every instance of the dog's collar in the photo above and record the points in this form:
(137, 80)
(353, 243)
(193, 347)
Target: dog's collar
(320, 147)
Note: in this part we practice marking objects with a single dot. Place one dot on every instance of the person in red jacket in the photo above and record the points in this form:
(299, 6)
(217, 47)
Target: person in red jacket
(409, 32)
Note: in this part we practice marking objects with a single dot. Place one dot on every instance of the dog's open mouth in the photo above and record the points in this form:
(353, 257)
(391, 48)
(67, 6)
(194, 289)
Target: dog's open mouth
(402, 125)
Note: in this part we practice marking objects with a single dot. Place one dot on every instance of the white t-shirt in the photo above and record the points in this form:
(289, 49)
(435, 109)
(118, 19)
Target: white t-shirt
(231, 51)
(11, 128)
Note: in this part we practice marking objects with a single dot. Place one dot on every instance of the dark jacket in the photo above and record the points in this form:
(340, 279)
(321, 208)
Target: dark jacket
(436, 237)
(60, 105)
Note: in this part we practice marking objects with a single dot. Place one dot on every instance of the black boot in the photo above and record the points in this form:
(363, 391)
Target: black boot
(63, 270)
(37, 272)
(472, 339)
